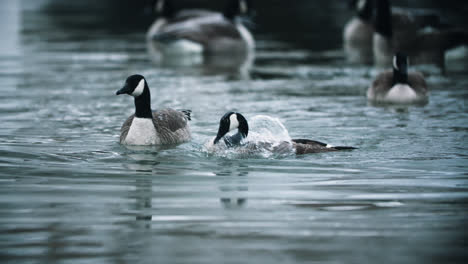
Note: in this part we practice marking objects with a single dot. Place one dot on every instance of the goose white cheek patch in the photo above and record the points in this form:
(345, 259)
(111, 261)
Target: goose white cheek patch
(243, 7)
(234, 123)
(160, 6)
(361, 4)
(139, 89)
(395, 66)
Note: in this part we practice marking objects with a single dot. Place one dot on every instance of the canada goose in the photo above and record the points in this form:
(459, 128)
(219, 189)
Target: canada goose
(357, 34)
(398, 32)
(397, 85)
(201, 31)
(145, 127)
(234, 120)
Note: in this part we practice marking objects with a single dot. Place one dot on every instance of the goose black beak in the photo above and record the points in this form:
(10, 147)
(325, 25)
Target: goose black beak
(124, 90)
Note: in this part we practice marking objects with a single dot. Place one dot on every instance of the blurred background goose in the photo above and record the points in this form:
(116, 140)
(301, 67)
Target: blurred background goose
(233, 120)
(357, 34)
(201, 31)
(398, 85)
(147, 127)
(400, 32)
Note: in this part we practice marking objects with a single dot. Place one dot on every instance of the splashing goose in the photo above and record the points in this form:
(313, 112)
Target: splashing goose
(233, 120)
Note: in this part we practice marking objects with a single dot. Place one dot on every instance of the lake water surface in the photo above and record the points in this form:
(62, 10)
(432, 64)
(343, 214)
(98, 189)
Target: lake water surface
(70, 193)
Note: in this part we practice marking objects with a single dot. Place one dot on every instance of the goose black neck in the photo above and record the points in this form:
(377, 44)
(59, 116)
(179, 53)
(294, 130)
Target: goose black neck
(400, 76)
(168, 10)
(366, 12)
(383, 23)
(243, 126)
(224, 128)
(143, 104)
(242, 133)
(234, 140)
(232, 9)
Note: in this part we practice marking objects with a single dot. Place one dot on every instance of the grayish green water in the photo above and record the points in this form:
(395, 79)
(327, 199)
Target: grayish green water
(69, 193)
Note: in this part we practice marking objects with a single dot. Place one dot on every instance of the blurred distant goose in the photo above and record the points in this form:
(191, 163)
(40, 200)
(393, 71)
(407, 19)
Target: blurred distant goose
(397, 85)
(201, 31)
(146, 127)
(357, 34)
(233, 120)
(400, 32)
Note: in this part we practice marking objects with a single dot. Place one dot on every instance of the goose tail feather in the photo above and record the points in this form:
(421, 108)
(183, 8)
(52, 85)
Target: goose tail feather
(187, 113)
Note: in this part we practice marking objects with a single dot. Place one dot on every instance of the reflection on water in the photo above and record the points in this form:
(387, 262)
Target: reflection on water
(70, 193)
(238, 65)
(9, 26)
(143, 199)
(233, 184)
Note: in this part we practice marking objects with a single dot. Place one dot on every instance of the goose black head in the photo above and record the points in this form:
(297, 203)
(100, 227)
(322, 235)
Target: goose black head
(383, 18)
(231, 121)
(364, 9)
(400, 68)
(236, 8)
(135, 85)
(163, 8)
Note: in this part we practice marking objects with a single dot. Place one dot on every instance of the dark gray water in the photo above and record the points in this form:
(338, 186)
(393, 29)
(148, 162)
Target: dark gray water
(69, 193)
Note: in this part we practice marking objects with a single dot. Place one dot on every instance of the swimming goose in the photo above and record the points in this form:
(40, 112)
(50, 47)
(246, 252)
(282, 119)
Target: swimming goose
(401, 33)
(357, 34)
(398, 85)
(147, 127)
(201, 31)
(234, 120)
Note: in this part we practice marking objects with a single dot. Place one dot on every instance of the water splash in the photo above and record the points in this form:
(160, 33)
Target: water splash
(267, 129)
(268, 138)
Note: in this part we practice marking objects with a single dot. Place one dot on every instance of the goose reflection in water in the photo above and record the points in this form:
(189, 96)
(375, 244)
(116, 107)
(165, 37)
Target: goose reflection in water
(233, 184)
(240, 64)
(143, 194)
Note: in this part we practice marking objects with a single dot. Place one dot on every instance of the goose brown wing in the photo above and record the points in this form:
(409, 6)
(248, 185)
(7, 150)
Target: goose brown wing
(306, 146)
(383, 82)
(201, 30)
(184, 15)
(169, 120)
(171, 126)
(417, 82)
